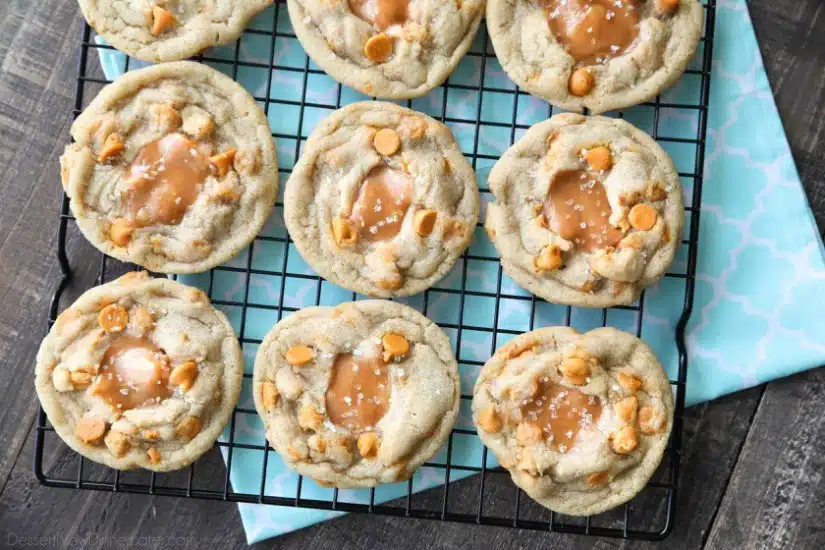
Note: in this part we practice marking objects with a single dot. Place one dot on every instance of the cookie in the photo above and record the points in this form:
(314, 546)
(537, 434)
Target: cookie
(356, 395)
(580, 421)
(588, 211)
(387, 48)
(173, 168)
(169, 30)
(140, 373)
(594, 54)
(382, 201)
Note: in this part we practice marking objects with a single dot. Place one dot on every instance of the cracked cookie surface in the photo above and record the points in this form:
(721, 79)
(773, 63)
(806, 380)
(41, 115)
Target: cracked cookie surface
(594, 54)
(358, 394)
(140, 372)
(169, 30)
(382, 201)
(173, 168)
(387, 48)
(588, 211)
(581, 421)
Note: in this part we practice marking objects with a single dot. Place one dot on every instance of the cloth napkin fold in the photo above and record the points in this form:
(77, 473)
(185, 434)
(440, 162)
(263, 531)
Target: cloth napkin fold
(760, 286)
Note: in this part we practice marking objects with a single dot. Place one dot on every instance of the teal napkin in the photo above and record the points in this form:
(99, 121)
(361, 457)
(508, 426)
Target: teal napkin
(761, 275)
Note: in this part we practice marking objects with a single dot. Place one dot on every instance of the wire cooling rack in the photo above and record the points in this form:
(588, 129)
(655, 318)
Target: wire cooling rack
(675, 120)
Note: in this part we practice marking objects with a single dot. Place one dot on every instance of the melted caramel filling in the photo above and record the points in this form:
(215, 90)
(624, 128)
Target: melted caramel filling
(359, 389)
(134, 373)
(560, 413)
(382, 203)
(381, 13)
(164, 180)
(593, 31)
(577, 210)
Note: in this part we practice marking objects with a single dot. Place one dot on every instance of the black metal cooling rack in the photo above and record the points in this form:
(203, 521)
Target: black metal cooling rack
(496, 501)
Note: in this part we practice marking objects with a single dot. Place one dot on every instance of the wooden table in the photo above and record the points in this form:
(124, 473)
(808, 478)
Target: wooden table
(753, 462)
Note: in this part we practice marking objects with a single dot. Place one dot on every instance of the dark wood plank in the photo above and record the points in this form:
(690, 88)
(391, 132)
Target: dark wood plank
(776, 491)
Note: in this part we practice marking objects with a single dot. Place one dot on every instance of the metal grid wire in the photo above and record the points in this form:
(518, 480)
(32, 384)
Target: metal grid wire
(186, 483)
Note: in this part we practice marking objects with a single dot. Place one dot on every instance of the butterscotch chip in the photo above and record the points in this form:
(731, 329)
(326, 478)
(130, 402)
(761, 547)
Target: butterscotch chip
(166, 116)
(598, 478)
(549, 258)
(490, 421)
(343, 231)
(309, 418)
(82, 377)
(527, 433)
(270, 394)
(395, 344)
(151, 435)
(424, 221)
(121, 231)
(117, 443)
(299, 355)
(154, 455)
(112, 147)
(642, 217)
(222, 162)
(368, 444)
(113, 318)
(599, 158)
(189, 427)
(317, 443)
(624, 441)
(667, 6)
(90, 429)
(650, 423)
(162, 20)
(655, 192)
(581, 82)
(386, 141)
(576, 370)
(143, 320)
(378, 48)
(527, 463)
(629, 381)
(184, 375)
(626, 409)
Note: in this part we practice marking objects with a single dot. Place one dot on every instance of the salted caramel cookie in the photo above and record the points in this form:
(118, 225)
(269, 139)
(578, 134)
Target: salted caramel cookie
(594, 54)
(387, 48)
(169, 30)
(588, 211)
(382, 201)
(581, 421)
(140, 372)
(356, 395)
(173, 168)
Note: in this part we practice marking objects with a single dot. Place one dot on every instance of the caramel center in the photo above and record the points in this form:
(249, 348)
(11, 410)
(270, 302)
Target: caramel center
(134, 373)
(381, 13)
(359, 389)
(382, 203)
(164, 180)
(593, 31)
(560, 413)
(577, 210)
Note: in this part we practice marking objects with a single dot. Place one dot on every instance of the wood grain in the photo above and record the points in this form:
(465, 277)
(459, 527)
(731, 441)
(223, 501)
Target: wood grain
(752, 462)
